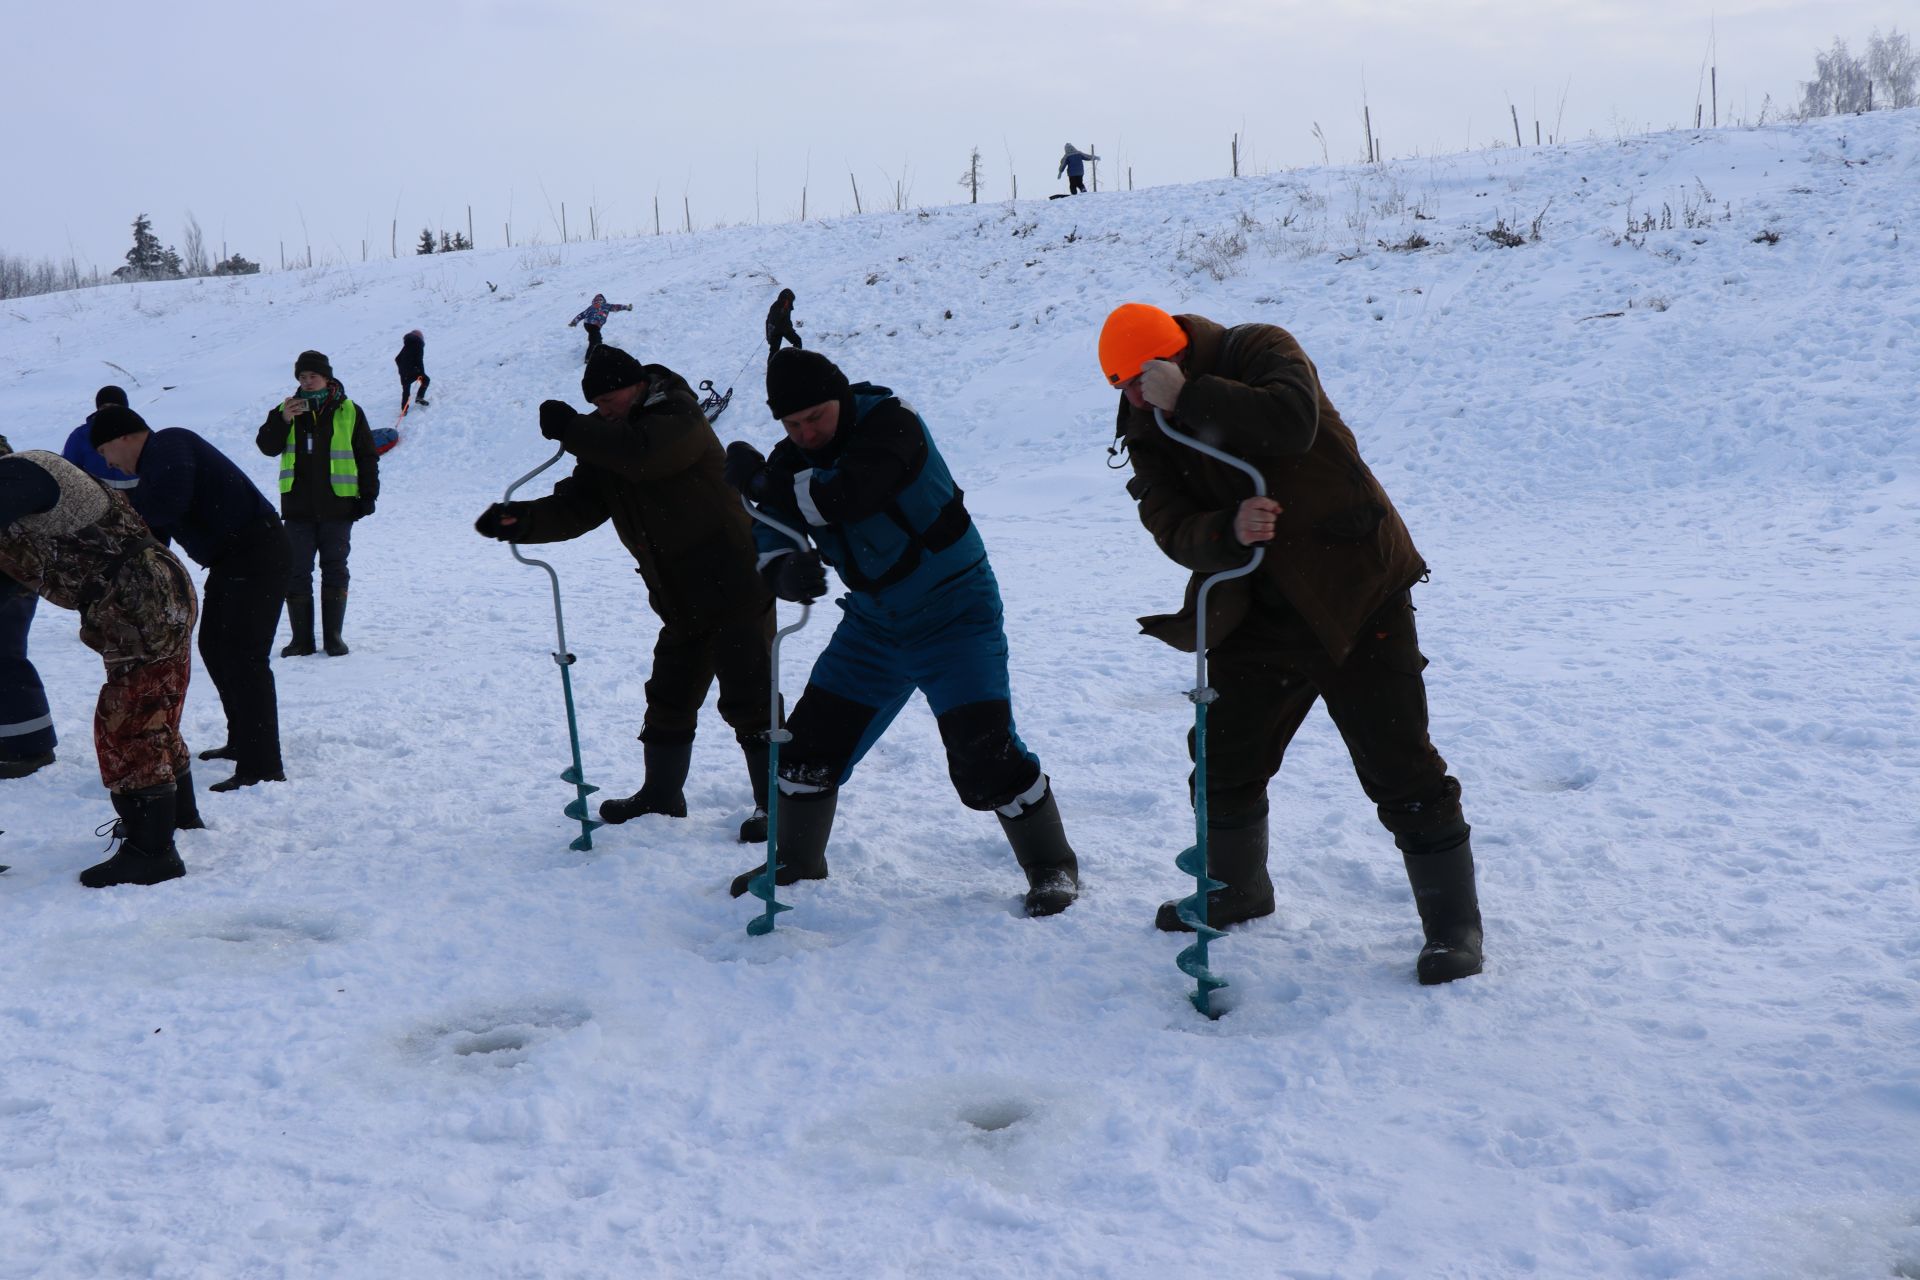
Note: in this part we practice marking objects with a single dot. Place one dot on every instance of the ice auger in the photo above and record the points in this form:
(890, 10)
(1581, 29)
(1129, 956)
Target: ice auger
(577, 810)
(762, 886)
(1193, 910)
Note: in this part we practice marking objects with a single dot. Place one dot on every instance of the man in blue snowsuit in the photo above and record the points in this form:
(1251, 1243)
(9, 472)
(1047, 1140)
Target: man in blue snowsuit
(26, 724)
(80, 452)
(859, 474)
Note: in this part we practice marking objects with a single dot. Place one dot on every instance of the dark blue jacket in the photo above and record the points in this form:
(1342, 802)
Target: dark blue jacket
(193, 494)
(879, 504)
(80, 452)
(412, 359)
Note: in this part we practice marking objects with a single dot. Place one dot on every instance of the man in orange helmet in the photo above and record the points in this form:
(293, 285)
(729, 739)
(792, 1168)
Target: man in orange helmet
(1328, 615)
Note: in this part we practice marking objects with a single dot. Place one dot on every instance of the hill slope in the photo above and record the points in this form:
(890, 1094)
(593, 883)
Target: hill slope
(1666, 478)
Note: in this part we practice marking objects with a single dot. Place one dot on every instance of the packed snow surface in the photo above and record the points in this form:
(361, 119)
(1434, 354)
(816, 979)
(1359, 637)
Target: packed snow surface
(1665, 473)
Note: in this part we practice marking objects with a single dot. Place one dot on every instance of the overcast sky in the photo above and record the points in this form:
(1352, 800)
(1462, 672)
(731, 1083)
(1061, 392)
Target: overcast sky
(345, 115)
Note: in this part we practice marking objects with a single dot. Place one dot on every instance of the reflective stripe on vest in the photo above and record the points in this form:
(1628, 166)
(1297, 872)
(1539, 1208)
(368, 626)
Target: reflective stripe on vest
(342, 472)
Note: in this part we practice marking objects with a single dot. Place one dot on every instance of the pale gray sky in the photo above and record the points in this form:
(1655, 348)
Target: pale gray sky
(256, 117)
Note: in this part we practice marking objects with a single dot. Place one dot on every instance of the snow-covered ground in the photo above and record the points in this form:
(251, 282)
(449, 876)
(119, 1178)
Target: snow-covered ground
(389, 1025)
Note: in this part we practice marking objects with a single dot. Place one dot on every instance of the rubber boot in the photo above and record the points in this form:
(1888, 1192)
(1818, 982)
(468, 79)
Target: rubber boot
(662, 792)
(225, 750)
(754, 829)
(27, 765)
(333, 612)
(300, 622)
(805, 823)
(186, 810)
(1040, 844)
(146, 854)
(1443, 890)
(1236, 856)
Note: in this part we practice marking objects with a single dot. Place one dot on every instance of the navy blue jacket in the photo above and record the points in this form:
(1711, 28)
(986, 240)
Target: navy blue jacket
(193, 494)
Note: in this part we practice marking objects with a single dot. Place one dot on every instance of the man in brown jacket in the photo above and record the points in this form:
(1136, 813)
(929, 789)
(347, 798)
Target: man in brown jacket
(1327, 616)
(648, 460)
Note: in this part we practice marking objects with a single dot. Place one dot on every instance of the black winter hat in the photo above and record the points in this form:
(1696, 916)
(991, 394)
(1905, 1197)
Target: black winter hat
(799, 380)
(609, 369)
(312, 362)
(110, 422)
(107, 395)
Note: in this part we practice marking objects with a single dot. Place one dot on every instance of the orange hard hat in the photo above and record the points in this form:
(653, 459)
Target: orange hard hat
(1134, 334)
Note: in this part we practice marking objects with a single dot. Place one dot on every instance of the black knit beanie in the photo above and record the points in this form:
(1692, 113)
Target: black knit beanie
(609, 369)
(312, 362)
(107, 395)
(799, 380)
(110, 422)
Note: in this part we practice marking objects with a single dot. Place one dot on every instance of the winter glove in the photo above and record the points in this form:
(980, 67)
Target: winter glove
(745, 466)
(800, 577)
(556, 416)
(491, 523)
(362, 508)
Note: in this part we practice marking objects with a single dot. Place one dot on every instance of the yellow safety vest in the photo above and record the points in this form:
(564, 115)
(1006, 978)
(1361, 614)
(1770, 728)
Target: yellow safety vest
(342, 472)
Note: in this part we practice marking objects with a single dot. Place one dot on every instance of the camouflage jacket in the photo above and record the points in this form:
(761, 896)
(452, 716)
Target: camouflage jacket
(92, 553)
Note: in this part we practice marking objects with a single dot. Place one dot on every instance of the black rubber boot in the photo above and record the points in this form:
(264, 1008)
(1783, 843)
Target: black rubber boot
(805, 823)
(146, 854)
(1040, 844)
(27, 765)
(1443, 890)
(299, 645)
(1236, 856)
(663, 791)
(186, 810)
(333, 612)
(241, 779)
(222, 752)
(754, 829)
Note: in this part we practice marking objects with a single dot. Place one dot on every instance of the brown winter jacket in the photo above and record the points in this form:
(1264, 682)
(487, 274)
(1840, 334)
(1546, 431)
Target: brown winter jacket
(657, 476)
(1339, 550)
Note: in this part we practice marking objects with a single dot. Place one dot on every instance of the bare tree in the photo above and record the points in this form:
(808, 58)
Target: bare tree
(971, 178)
(194, 261)
(1893, 68)
(1840, 84)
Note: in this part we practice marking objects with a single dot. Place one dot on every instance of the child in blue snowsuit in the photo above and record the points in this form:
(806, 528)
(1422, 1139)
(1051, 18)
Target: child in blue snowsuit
(596, 315)
(859, 474)
(1073, 162)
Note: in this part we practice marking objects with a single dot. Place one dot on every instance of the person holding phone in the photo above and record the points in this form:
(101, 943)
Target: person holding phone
(329, 478)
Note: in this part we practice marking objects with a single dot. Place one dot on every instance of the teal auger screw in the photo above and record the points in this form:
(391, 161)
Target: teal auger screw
(762, 886)
(573, 774)
(1193, 910)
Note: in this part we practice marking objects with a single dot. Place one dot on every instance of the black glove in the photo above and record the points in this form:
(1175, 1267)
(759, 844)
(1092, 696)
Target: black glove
(489, 524)
(556, 416)
(800, 577)
(744, 467)
(362, 508)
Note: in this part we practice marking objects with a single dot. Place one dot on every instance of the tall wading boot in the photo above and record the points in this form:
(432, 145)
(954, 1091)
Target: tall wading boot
(300, 645)
(1237, 857)
(805, 823)
(663, 791)
(1443, 890)
(1039, 842)
(146, 854)
(333, 612)
(754, 829)
(186, 810)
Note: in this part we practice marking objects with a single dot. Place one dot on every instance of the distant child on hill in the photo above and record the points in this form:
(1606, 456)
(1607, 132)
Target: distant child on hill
(596, 315)
(412, 361)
